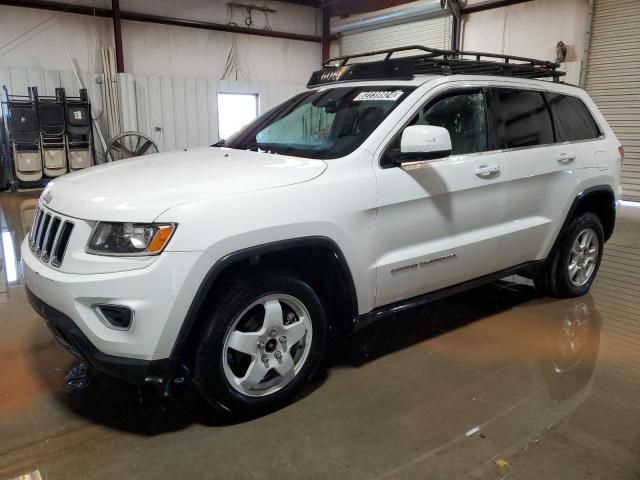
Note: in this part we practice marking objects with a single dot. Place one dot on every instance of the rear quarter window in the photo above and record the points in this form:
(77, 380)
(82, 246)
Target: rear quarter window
(574, 118)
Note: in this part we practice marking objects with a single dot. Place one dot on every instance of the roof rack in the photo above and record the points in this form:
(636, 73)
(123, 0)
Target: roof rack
(433, 61)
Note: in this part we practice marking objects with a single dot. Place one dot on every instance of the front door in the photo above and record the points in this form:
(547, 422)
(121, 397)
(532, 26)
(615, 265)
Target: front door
(439, 222)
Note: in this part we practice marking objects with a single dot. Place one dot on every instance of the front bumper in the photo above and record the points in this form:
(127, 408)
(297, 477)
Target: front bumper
(68, 334)
(159, 295)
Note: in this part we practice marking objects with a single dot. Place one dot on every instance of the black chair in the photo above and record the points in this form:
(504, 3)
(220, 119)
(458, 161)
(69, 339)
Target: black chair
(52, 133)
(79, 131)
(24, 136)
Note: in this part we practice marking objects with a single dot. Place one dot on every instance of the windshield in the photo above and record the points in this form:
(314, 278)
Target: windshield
(323, 124)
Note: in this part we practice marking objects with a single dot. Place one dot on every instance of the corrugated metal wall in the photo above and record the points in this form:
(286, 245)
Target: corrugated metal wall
(181, 113)
(176, 112)
(613, 79)
(435, 33)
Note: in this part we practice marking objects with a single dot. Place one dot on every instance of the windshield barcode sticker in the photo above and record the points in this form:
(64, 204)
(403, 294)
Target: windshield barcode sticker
(391, 96)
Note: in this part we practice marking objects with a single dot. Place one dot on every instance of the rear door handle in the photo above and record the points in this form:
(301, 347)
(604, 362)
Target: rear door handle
(566, 157)
(487, 171)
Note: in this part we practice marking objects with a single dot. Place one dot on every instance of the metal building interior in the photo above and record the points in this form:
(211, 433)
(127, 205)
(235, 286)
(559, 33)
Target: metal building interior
(494, 382)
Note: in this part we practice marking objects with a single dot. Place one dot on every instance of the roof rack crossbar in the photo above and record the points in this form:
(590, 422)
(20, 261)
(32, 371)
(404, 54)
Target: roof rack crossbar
(432, 61)
(341, 61)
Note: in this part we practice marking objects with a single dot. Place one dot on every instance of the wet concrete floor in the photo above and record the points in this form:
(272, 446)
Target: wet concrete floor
(495, 383)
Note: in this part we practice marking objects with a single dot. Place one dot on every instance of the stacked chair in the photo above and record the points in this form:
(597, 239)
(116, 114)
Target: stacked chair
(24, 136)
(44, 137)
(52, 133)
(79, 132)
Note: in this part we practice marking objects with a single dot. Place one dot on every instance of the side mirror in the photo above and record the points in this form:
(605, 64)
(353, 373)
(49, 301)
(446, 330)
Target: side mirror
(420, 143)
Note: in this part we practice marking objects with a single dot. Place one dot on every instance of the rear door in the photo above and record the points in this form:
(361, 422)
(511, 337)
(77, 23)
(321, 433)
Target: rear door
(438, 221)
(541, 174)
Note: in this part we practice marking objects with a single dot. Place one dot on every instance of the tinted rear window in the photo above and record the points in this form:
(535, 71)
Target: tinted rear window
(574, 118)
(527, 120)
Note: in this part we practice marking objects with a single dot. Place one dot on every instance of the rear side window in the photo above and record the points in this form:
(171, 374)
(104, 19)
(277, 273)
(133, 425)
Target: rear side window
(526, 118)
(574, 119)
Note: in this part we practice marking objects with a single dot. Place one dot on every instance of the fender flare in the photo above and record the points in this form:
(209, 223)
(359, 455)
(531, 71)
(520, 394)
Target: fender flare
(220, 265)
(580, 197)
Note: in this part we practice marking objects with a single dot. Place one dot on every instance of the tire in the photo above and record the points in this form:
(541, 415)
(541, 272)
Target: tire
(558, 277)
(264, 340)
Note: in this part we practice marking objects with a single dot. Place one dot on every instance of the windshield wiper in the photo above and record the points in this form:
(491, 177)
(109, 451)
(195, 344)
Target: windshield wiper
(221, 143)
(261, 149)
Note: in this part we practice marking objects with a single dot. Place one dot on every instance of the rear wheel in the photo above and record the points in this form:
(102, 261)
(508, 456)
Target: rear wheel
(265, 340)
(573, 267)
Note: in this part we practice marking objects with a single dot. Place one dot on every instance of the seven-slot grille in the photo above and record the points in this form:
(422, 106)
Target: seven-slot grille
(49, 236)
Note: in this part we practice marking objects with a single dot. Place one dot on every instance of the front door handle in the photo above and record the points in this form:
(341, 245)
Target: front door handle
(487, 171)
(566, 157)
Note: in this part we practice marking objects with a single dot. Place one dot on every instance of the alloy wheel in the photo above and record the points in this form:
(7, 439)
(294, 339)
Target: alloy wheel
(267, 345)
(583, 257)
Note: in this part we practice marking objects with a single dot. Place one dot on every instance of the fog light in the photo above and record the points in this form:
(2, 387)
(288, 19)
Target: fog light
(114, 316)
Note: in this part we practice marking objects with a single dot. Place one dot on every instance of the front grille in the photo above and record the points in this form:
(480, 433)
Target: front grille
(49, 236)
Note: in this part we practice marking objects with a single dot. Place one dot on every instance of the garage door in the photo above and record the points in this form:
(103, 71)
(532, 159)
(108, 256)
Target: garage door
(434, 33)
(613, 79)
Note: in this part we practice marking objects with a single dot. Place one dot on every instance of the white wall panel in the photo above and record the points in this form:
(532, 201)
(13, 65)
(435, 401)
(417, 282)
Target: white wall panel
(168, 122)
(19, 82)
(142, 102)
(51, 82)
(128, 113)
(202, 123)
(5, 78)
(191, 110)
(186, 109)
(212, 106)
(155, 123)
(35, 78)
(68, 81)
(179, 114)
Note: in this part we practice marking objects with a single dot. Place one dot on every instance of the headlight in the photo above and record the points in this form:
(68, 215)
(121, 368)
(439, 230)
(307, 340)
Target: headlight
(129, 238)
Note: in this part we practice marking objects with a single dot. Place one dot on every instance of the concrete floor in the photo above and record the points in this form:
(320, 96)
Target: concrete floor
(492, 384)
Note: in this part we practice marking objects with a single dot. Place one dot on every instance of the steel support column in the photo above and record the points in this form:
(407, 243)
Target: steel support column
(326, 34)
(117, 34)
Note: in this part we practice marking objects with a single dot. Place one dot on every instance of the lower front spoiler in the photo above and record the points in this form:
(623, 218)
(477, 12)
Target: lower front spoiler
(68, 334)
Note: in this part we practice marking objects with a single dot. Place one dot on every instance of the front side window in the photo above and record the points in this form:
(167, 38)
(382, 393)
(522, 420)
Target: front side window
(526, 118)
(324, 124)
(463, 114)
(574, 118)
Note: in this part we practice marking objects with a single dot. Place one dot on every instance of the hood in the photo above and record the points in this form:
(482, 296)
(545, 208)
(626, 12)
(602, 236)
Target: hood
(140, 189)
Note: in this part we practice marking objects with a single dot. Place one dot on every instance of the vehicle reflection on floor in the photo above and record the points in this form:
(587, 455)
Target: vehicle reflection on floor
(494, 383)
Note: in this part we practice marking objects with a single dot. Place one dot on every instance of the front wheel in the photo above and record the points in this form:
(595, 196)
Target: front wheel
(573, 267)
(265, 340)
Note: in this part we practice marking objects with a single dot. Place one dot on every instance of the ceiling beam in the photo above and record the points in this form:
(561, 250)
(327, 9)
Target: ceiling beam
(343, 8)
(157, 19)
(489, 5)
(304, 3)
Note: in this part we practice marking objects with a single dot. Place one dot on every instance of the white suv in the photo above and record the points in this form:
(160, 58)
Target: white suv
(385, 185)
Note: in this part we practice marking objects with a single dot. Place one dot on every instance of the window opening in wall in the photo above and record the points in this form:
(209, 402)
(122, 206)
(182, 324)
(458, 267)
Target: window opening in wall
(235, 110)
